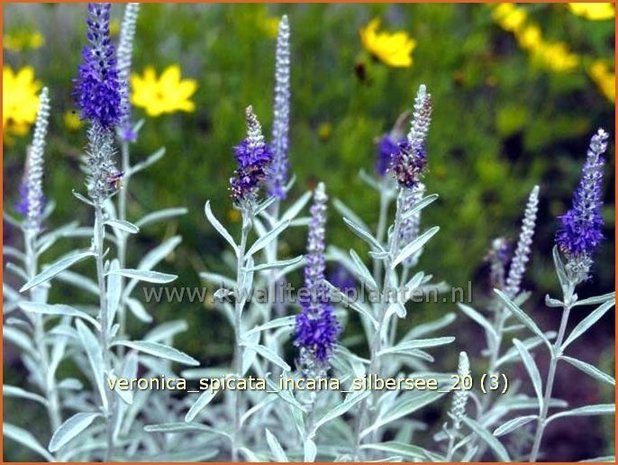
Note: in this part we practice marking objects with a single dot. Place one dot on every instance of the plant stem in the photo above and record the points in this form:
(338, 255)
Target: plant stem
(99, 231)
(50, 390)
(123, 237)
(238, 350)
(376, 343)
(551, 375)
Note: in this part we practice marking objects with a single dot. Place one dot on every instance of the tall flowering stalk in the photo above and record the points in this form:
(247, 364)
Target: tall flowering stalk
(507, 278)
(127, 135)
(33, 201)
(407, 165)
(253, 157)
(99, 95)
(316, 326)
(125, 58)
(278, 175)
(579, 236)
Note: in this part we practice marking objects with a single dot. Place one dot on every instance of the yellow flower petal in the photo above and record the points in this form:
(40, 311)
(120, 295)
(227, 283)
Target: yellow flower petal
(393, 49)
(593, 11)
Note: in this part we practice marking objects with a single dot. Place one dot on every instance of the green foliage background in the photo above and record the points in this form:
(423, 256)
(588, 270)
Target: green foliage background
(500, 126)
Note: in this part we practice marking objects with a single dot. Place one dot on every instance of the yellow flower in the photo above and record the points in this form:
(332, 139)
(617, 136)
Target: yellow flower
(392, 49)
(604, 78)
(20, 101)
(593, 11)
(167, 94)
(72, 120)
(509, 17)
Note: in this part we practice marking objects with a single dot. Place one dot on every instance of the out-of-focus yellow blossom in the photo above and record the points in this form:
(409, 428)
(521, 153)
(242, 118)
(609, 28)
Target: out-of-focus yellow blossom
(509, 16)
(325, 130)
(604, 78)
(529, 37)
(166, 94)
(23, 40)
(593, 11)
(554, 56)
(20, 101)
(114, 27)
(72, 120)
(391, 48)
(268, 24)
(233, 216)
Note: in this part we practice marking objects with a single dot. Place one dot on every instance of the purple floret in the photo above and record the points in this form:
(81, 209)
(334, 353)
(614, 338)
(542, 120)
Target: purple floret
(387, 146)
(409, 164)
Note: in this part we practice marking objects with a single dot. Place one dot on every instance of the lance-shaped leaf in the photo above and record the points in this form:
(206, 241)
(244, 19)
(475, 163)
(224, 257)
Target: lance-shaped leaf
(71, 428)
(587, 322)
(159, 350)
(57, 267)
(154, 277)
(93, 351)
(588, 410)
(202, 401)
(59, 310)
(488, 438)
(513, 424)
(532, 369)
(414, 246)
(492, 335)
(364, 235)
(408, 403)
(597, 299)
(275, 447)
(219, 227)
(418, 206)
(521, 315)
(160, 215)
(350, 401)
(151, 160)
(416, 344)
(122, 225)
(26, 439)
(590, 370)
(266, 239)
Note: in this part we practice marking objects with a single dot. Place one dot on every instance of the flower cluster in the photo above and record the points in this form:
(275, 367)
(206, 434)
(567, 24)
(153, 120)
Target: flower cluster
(278, 175)
(254, 158)
(410, 161)
(316, 326)
(522, 252)
(99, 90)
(580, 228)
(31, 190)
(124, 57)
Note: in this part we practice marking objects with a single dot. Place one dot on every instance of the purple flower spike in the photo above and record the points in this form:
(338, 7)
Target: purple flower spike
(580, 232)
(98, 88)
(409, 162)
(278, 175)
(254, 158)
(317, 328)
